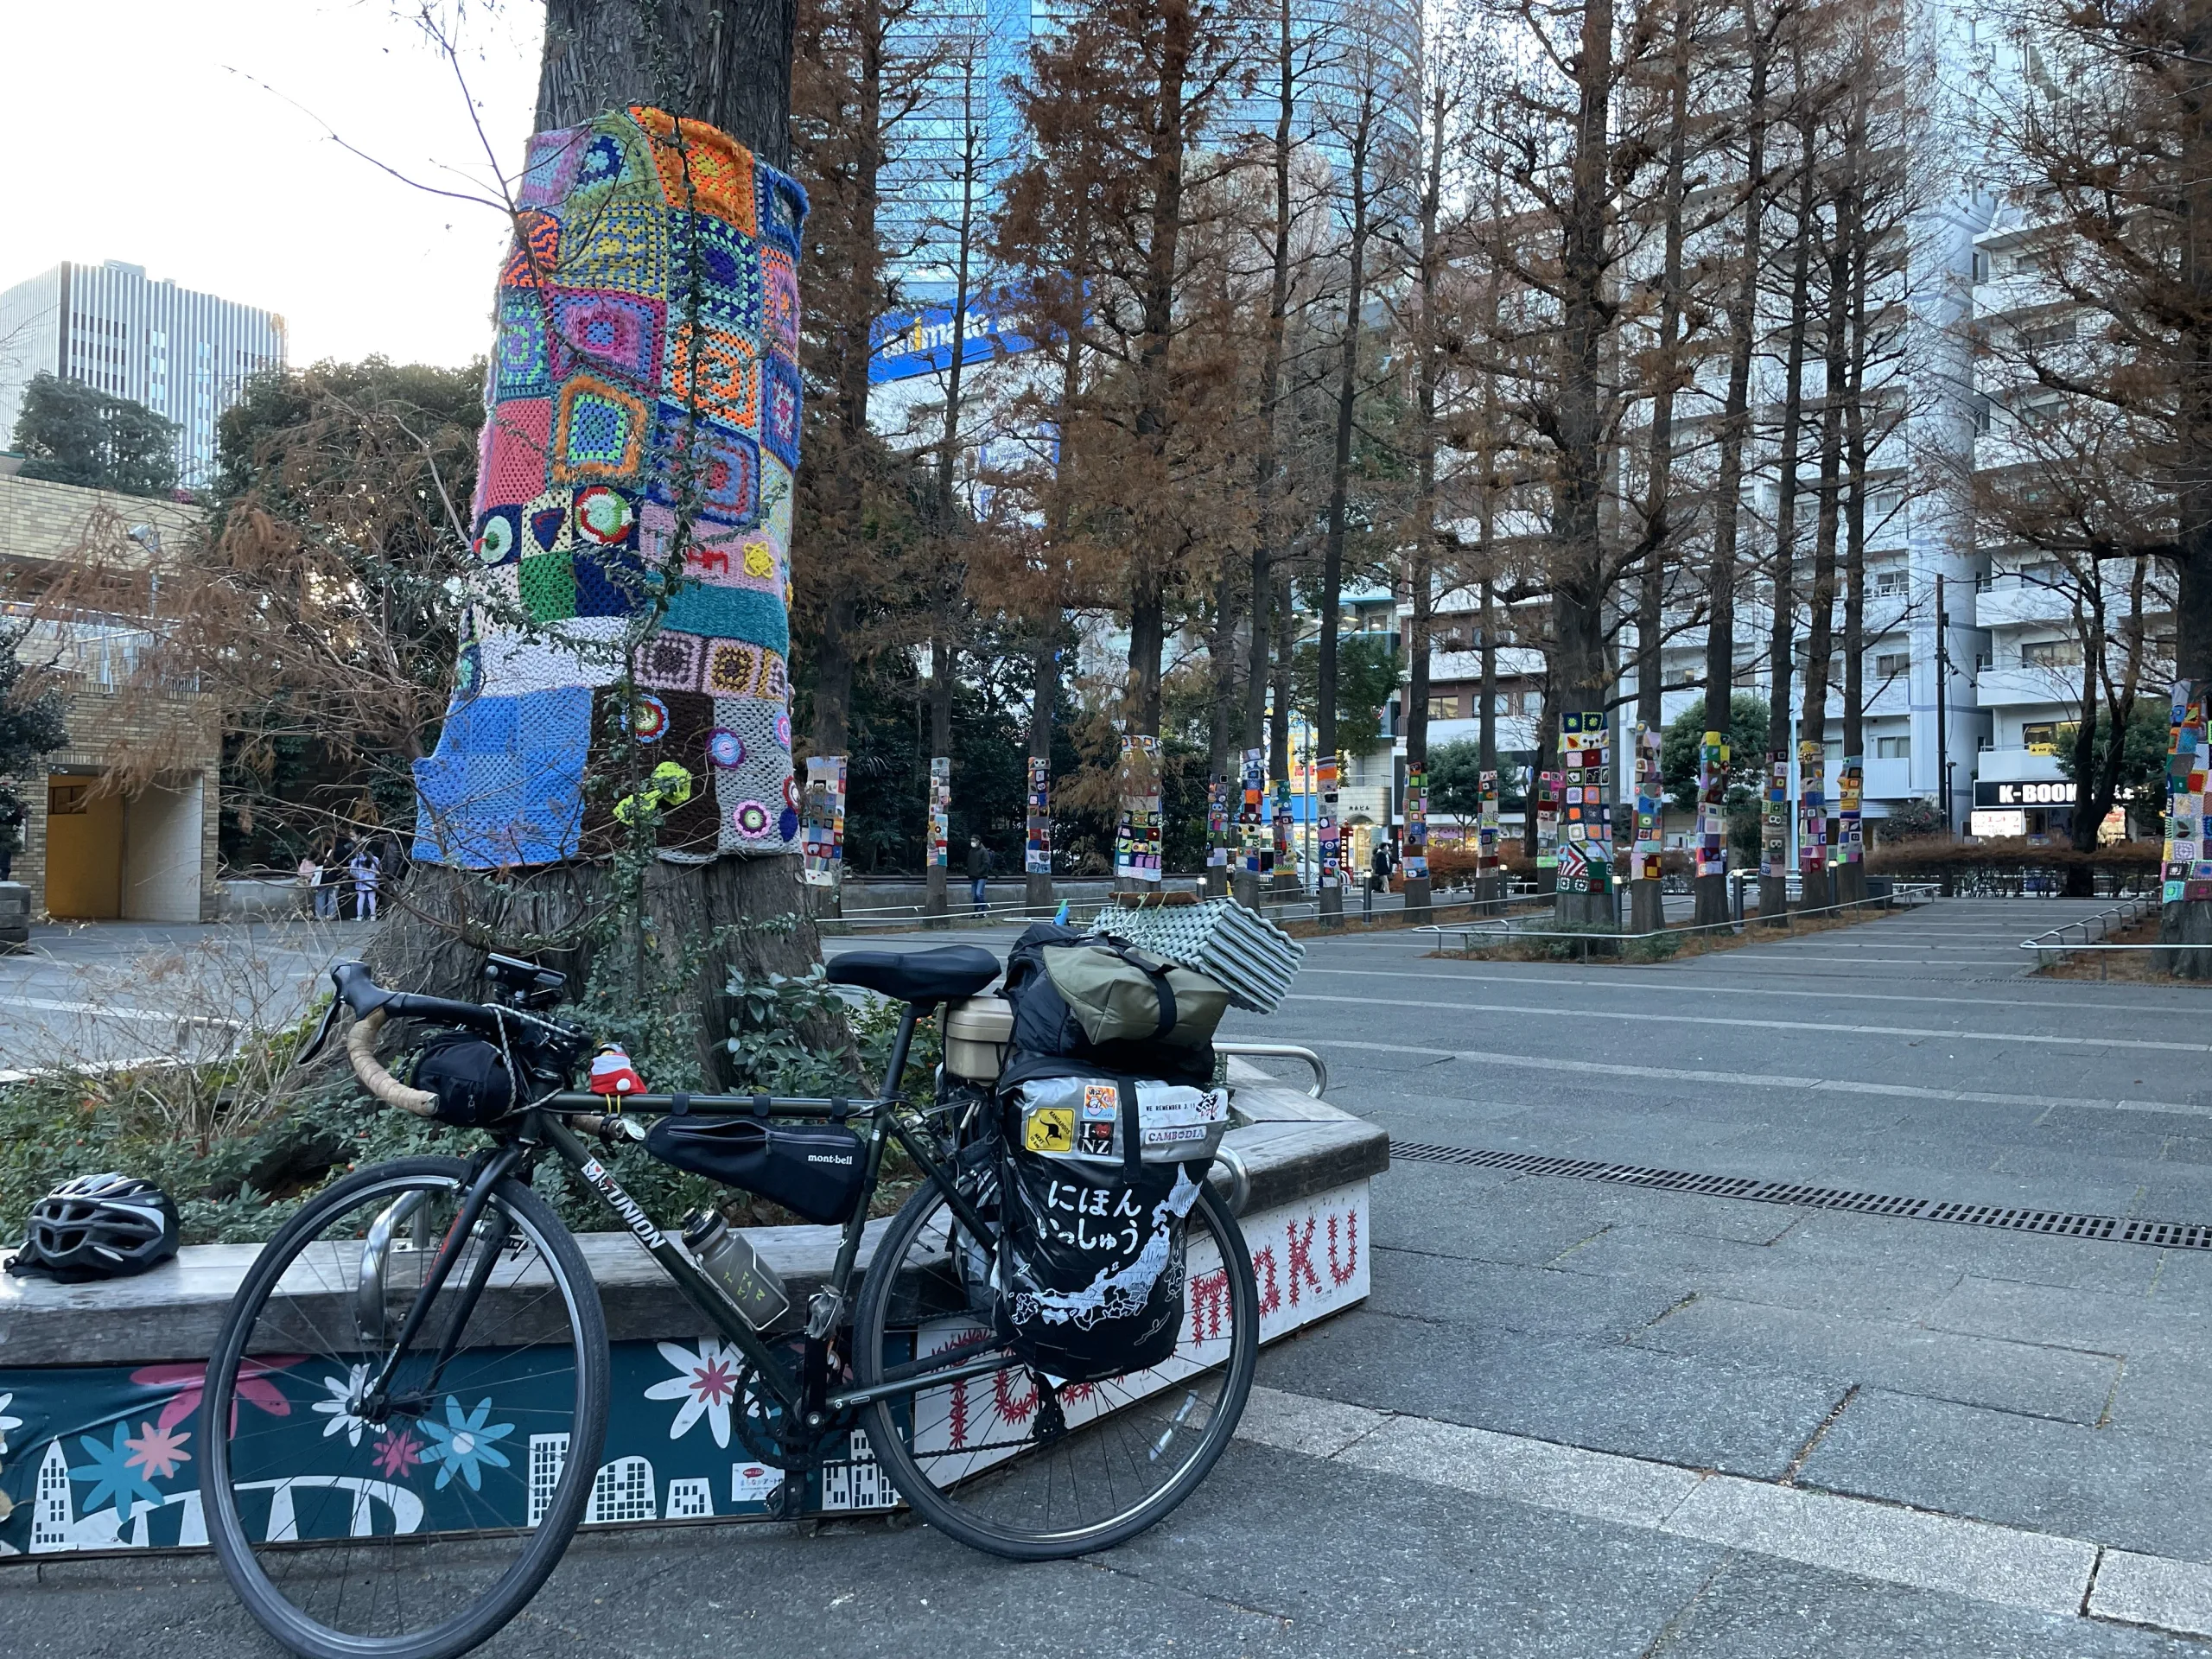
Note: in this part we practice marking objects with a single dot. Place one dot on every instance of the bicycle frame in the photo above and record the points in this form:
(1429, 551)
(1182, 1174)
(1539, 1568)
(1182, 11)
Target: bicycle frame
(544, 1125)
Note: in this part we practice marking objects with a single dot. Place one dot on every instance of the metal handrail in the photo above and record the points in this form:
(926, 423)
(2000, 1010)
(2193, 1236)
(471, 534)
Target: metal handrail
(1916, 893)
(2130, 911)
(1283, 1052)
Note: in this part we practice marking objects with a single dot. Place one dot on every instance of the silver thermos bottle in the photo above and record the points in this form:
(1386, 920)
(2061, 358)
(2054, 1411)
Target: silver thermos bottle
(730, 1261)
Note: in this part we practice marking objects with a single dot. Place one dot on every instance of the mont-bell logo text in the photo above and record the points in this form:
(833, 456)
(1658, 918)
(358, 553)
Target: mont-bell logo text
(841, 1158)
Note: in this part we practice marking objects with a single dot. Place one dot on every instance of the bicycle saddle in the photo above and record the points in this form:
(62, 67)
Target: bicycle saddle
(942, 975)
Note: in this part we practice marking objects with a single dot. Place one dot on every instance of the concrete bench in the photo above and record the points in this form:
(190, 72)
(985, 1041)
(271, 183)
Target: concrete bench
(80, 1363)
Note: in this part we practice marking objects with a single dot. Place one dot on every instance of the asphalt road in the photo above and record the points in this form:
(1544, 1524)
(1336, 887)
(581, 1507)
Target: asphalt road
(1583, 1417)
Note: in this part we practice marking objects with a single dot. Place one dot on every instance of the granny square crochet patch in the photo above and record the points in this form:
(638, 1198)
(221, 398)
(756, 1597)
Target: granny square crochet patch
(634, 506)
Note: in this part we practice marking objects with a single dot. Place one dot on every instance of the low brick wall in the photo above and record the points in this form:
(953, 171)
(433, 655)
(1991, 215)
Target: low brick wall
(85, 1368)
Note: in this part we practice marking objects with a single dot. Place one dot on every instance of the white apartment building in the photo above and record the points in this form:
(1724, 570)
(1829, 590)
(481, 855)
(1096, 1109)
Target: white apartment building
(184, 354)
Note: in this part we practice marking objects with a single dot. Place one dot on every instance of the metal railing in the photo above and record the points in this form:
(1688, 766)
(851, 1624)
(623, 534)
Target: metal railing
(1283, 1052)
(2104, 923)
(1909, 895)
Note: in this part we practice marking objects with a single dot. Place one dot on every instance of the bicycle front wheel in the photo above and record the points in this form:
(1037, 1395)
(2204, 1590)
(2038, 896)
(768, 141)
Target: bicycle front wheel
(1008, 1462)
(422, 1518)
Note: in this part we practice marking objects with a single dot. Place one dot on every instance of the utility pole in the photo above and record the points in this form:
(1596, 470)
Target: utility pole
(1942, 714)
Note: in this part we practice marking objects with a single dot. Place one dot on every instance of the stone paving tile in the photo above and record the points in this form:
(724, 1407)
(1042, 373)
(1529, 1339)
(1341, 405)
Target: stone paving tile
(1895, 1284)
(1495, 1296)
(1904, 1358)
(1755, 1607)
(1380, 1566)
(2104, 1485)
(1741, 1418)
(1988, 1252)
(2083, 1319)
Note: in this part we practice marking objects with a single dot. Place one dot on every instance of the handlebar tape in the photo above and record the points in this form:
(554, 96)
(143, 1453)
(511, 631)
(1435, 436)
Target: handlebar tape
(361, 1049)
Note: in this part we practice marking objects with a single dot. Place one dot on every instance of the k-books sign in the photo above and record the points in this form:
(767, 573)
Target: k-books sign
(910, 343)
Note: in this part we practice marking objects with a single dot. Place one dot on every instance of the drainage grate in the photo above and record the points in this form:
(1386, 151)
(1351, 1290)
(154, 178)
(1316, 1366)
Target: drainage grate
(2119, 1229)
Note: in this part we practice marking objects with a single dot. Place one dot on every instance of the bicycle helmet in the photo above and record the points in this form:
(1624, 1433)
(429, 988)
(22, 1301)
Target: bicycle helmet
(99, 1227)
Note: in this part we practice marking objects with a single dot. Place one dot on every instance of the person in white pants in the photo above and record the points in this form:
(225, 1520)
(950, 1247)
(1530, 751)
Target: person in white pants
(364, 870)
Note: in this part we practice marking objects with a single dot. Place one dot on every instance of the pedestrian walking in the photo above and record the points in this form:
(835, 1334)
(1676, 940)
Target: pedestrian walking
(366, 873)
(310, 882)
(327, 883)
(1382, 863)
(979, 870)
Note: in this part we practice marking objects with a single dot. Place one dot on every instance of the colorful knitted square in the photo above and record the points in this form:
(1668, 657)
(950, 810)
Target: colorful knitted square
(600, 430)
(717, 376)
(517, 436)
(520, 366)
(704, 170)
(616, 336)
(634, 506)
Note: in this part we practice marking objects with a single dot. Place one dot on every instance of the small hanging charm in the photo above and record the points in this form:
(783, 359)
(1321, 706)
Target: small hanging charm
(613, 1074)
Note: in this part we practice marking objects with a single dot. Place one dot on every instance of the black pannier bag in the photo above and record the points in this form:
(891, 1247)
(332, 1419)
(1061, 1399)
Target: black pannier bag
(1094, 1268)
(1086, 1002)
(814, 1170)
(467, 1075)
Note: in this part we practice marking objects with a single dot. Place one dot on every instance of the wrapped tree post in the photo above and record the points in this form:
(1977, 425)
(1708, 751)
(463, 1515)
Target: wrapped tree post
(1812, 824)
(632, 523)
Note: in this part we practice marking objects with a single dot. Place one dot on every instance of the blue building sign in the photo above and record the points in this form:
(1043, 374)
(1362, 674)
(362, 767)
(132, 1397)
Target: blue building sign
(909, 343)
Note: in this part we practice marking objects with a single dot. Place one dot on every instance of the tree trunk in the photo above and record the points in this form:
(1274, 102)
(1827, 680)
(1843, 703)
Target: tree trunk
(1813, 720)
(1267, 615)
(1646, 905)
(1332, 551)
(1851, 878)
(1429, 374)
(1579, 668)
(726, 63)
(1712, 903)
(1774, 886)
(1286, 880)
(937, 876)
(1044, 697)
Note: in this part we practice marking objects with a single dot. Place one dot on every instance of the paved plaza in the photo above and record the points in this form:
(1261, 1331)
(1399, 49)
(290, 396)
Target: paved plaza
(1725, 1382)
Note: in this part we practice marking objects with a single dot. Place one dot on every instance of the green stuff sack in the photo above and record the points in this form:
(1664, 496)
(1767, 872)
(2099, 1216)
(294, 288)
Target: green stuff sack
(1118, 994)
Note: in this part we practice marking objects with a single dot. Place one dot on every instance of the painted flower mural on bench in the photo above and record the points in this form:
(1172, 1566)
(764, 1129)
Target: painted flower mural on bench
(706, 1382)
(464, 1444)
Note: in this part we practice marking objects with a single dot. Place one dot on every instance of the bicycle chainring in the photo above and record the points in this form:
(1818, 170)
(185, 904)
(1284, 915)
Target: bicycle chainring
(757, 1418)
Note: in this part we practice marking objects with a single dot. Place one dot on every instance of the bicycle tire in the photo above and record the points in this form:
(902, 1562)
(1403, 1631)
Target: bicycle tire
(563, 1512)
(914, 1481)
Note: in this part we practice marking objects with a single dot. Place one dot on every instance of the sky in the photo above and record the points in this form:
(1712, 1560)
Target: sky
(196, 139)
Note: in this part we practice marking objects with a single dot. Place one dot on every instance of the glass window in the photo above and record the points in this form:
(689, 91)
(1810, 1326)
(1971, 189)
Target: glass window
(1893, 748)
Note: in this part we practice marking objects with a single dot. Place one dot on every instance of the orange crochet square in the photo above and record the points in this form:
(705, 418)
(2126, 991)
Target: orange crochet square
(728, 376)
(702, 169)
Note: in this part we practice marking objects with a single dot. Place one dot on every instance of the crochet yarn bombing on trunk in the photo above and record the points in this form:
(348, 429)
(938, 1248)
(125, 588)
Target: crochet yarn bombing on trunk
(643, 396)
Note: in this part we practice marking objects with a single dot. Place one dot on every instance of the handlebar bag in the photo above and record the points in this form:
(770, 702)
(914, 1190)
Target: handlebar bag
(467, 1075)
(1094, 1247)
(813, 1170)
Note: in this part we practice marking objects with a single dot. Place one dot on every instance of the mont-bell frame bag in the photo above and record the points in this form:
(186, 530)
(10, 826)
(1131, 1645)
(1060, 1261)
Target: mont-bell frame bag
(814, 1170)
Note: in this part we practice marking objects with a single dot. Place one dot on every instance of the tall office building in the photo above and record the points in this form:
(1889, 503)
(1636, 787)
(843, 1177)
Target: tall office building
(183, 354)
(961, 137)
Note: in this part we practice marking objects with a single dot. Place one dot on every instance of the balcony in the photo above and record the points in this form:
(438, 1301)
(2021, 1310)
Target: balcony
(2007, 688)
(1514, 662)
(2017, 765)
(1888, 780)
(1515, 732)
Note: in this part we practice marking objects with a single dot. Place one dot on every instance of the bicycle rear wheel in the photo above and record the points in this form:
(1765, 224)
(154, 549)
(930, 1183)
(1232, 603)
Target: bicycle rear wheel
(1005, 1462)
(417, 1530)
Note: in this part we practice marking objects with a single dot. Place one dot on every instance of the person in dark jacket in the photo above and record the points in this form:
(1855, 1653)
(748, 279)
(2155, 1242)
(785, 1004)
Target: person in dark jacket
(1382, 863)
(979, 869)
